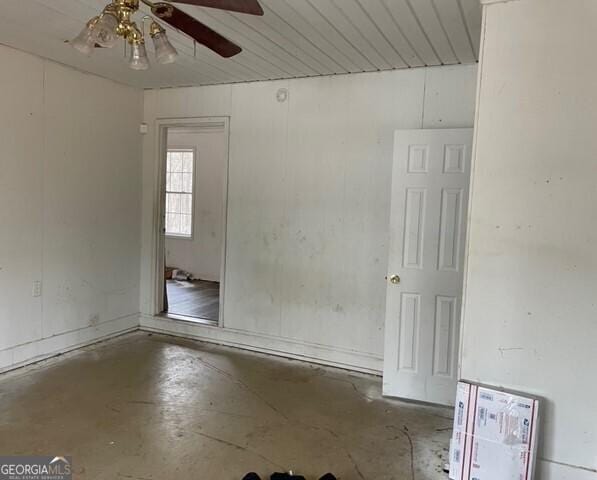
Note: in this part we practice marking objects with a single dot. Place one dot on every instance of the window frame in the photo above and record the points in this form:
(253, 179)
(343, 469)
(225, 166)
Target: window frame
(177, 236)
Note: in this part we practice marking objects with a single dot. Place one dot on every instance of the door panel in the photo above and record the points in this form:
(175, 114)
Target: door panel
(430, 186)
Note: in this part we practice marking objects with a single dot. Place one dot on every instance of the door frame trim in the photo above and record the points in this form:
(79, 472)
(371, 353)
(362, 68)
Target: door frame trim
(158, 261)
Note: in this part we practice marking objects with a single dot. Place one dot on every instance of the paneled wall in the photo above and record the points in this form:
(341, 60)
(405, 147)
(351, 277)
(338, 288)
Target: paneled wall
(308, 203)
(69, 207)
(530, 319)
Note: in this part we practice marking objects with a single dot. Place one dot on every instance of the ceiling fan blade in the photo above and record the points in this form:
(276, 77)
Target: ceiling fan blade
(195, 29)
(251, 7)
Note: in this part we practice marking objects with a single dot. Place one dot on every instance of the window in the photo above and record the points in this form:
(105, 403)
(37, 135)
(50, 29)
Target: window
(180, 164)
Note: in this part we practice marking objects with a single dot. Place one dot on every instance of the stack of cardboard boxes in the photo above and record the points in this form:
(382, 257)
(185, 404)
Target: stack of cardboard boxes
(494, 436)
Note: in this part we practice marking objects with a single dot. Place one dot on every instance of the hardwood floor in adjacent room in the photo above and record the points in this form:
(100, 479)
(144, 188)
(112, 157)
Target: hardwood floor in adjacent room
(197, 298)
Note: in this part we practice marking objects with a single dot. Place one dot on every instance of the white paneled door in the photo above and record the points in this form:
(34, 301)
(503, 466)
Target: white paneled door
(430, 187)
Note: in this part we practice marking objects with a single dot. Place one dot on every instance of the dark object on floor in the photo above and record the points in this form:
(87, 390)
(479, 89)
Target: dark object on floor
(285, 476)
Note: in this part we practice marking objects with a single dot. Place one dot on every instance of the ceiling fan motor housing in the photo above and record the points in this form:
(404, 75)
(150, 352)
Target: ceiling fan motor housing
(132, 4)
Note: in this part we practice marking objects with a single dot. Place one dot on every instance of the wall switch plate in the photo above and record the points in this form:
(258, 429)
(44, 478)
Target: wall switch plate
(143, 128)
(37, 288)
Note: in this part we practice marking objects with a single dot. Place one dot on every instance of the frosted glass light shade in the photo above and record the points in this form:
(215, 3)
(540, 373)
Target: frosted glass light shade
(164, 51)
(85, 41)
(106, 30)
(138, 59)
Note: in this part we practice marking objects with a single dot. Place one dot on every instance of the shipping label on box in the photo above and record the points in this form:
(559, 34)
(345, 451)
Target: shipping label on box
(494, 435)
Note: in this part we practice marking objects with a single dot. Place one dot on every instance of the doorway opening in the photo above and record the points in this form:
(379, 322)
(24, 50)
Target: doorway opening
(193, 197)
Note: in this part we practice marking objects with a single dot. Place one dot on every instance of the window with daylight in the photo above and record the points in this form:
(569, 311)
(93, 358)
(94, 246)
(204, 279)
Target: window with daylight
(180, 164)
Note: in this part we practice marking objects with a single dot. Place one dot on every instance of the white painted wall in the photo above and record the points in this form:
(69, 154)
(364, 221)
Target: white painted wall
(530, 319)
(202, 255)
(309, 195)
(69, 207)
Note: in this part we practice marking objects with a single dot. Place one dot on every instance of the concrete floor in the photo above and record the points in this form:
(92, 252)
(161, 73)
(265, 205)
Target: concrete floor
(152, 407)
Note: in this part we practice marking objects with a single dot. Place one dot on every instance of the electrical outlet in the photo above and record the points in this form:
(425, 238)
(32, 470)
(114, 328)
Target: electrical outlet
(37, 288)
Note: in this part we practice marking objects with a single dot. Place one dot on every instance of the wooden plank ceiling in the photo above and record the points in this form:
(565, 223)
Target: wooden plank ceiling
(295, 38)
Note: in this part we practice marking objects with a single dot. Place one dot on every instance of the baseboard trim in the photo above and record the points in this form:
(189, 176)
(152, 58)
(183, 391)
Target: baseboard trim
(553, 470)
(42, 349)
(491, 2)
(282, 347)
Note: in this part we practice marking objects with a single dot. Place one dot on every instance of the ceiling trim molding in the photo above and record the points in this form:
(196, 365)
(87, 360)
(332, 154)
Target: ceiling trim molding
(489, 2)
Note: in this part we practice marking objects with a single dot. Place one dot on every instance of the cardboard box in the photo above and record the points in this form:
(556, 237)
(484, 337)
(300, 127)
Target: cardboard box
(494, 436)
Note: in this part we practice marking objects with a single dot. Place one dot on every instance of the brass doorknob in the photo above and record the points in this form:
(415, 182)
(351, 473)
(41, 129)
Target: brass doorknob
(395, 279)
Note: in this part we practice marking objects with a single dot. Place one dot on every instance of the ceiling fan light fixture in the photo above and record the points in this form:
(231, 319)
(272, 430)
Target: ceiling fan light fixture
(106, 30)
(138, 59)
(164, 51)
(86, 40)
(117, 21)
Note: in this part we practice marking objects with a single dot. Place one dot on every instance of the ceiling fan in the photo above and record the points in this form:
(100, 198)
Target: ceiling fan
(116, 22)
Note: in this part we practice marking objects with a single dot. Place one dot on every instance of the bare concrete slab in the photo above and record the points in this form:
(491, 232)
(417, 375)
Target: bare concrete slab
(151, 407)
